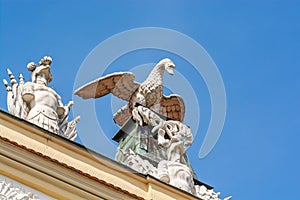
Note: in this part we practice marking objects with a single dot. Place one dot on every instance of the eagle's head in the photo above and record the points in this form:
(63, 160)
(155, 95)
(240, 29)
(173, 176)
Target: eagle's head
(168, 64)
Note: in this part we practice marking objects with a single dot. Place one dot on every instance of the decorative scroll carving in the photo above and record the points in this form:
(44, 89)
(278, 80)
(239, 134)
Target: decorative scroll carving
(9, 192)
(38, 103)
(206, 194)
(136, 162)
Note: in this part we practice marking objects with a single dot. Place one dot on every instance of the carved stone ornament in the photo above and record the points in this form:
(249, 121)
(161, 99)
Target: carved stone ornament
(9, 192)
(35, 102)
(206, 194)
(175, 137)
(153, 140)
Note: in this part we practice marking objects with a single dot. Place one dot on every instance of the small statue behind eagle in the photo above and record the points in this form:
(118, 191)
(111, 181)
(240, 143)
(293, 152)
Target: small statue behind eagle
(148, 94)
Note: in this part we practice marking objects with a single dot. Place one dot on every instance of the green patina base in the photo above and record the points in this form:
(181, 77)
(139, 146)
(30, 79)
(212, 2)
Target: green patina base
(143, 142)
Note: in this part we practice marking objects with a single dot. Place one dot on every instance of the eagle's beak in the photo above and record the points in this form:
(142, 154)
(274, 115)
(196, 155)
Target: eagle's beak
(170, 69)
(171, 72)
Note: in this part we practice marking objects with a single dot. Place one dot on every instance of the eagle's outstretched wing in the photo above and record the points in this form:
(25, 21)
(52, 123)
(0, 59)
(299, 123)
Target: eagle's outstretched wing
(172, 107)
(120, 84)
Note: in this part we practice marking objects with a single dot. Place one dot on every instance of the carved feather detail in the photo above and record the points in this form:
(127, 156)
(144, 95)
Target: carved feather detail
(149, 93)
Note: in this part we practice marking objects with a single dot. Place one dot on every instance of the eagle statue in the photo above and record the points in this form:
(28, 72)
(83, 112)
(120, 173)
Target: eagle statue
(148, 94)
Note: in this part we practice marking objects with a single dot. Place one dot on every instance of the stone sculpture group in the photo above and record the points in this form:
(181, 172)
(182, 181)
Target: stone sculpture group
(158, 141)
(159, 132)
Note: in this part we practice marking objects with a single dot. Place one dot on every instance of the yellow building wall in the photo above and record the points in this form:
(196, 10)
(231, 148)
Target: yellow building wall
(65, 170)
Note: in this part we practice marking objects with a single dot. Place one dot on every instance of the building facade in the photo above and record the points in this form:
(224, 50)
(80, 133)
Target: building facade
(35, 160)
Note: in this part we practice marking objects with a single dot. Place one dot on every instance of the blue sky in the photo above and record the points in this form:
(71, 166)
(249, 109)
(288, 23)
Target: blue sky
(255, 45)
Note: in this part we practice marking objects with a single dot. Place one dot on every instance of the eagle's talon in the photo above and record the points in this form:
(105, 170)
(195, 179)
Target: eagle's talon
(137, 117)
